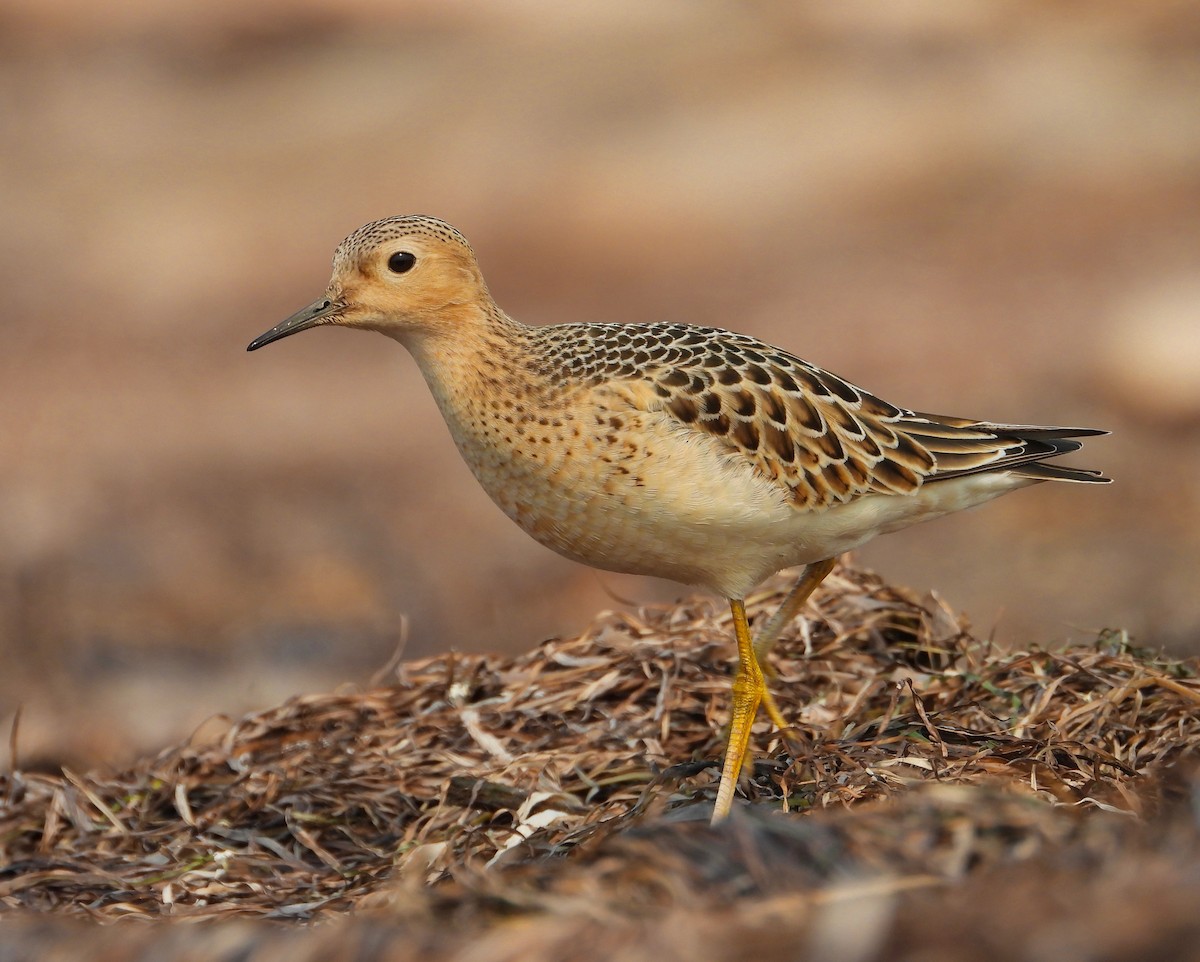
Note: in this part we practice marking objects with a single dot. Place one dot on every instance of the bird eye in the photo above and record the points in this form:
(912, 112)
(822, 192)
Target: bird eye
(401, 262)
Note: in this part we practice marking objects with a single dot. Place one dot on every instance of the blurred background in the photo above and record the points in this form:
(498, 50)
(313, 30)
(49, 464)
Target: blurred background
(987, 208)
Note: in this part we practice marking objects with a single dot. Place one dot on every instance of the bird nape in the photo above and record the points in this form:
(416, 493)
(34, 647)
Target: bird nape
(689, 453)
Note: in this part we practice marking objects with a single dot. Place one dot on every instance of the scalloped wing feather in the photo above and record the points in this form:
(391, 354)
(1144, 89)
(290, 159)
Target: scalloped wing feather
(824, 439)
(817, 435)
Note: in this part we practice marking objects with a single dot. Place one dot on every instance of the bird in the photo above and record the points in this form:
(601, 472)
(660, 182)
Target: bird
(689, 453)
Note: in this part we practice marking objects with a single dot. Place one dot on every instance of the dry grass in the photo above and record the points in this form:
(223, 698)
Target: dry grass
(554, 805)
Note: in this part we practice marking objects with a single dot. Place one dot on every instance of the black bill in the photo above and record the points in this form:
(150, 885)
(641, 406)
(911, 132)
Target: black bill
(312, 316)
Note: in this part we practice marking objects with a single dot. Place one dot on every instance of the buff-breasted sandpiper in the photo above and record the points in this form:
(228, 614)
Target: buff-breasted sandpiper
(688, 453)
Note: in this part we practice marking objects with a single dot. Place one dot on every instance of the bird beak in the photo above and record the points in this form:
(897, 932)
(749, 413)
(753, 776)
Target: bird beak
(317, 313)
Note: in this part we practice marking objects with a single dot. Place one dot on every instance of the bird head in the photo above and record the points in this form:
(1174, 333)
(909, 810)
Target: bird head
(403, 276)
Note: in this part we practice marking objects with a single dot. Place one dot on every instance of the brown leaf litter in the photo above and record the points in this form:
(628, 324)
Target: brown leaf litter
(554, 805)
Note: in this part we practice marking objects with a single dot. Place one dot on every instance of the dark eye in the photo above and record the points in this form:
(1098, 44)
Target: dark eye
(401, 262)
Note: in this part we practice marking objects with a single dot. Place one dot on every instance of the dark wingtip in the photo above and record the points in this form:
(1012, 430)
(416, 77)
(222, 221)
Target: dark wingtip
(1089, 432)
(1044, 471)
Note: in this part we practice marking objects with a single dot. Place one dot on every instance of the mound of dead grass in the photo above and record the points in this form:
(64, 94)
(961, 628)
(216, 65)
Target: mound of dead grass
(569, 789)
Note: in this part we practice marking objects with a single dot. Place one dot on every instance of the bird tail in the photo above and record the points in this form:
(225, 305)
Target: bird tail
(1055, 441)
(1037, 444)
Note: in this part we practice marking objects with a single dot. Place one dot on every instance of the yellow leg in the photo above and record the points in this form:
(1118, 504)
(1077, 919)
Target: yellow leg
(749, 686)
(812, 576)
(772, 709)
(748, 689)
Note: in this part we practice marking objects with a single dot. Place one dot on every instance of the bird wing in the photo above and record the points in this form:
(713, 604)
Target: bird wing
(824, 439)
